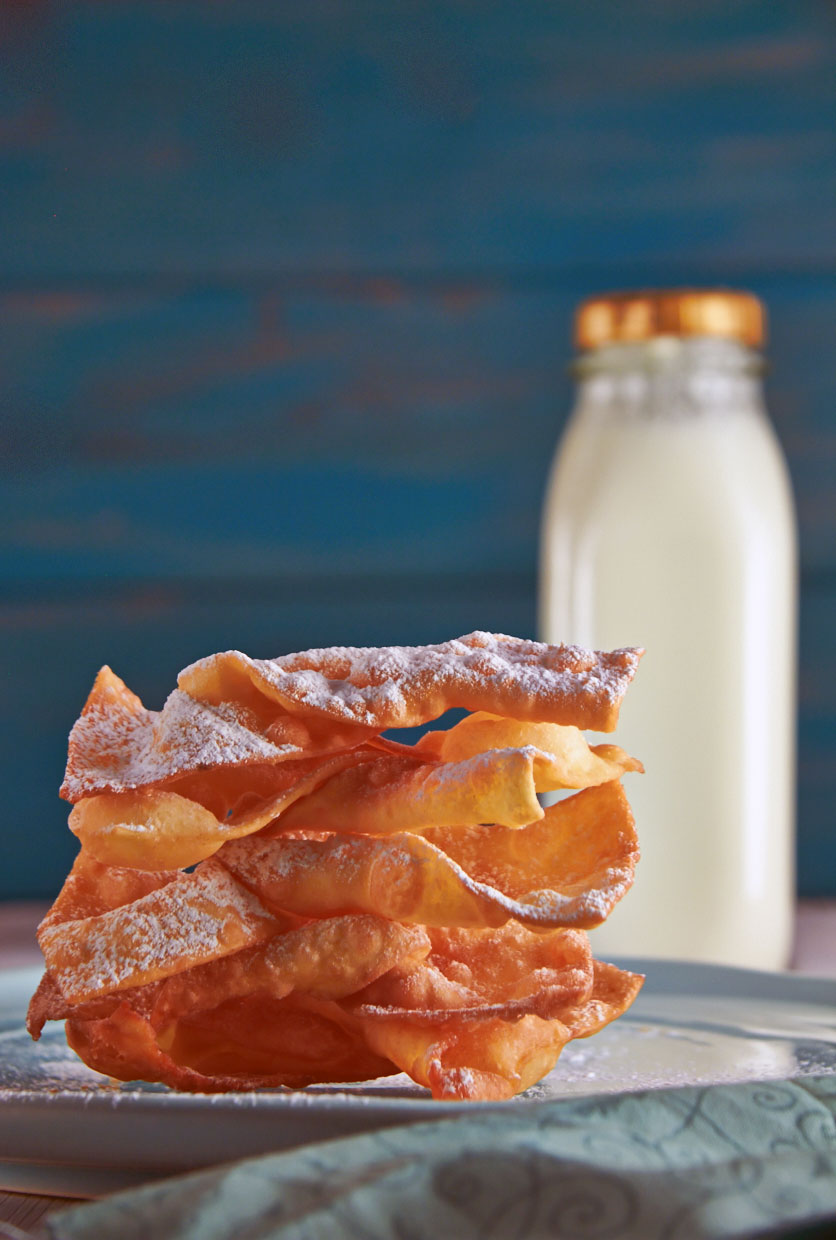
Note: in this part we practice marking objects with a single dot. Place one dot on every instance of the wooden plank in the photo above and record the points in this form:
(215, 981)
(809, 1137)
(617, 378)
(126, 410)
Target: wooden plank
(817, 739)
(28, 1210)
(217, 433)
(197, 138)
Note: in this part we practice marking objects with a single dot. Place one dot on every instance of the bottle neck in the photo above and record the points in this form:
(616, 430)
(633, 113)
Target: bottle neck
(670, 377)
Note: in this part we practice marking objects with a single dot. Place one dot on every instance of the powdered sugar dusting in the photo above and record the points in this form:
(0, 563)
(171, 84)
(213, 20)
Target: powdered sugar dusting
(455, 1082)
(115, 749)
(198, 917)
(402, 686)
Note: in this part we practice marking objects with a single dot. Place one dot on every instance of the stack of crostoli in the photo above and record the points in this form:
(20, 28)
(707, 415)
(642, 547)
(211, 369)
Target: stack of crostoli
(270, 892)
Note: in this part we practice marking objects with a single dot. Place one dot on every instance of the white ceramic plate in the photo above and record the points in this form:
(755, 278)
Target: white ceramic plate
(65, 1129)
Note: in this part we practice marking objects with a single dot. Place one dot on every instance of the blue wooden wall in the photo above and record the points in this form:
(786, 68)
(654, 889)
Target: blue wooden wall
(285, 305)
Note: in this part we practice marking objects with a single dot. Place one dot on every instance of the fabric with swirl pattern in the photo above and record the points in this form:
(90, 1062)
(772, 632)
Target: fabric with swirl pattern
(678, 1164)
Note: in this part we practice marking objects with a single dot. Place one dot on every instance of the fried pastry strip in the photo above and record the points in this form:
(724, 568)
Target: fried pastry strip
(402, 686)
(496, 1058)
(198, 917)
(499, 786)
(407, 878)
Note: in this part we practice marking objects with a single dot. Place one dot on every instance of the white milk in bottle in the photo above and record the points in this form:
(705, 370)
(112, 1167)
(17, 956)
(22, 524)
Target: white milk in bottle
(669, 524)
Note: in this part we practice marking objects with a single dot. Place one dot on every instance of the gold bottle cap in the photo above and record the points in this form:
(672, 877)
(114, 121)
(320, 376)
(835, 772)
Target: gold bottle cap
(622, 318)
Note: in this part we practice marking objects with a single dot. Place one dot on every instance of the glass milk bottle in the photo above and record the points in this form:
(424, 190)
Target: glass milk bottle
(669, 524)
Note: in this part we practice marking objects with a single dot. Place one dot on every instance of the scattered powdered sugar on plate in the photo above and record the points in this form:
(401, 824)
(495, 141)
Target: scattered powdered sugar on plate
(664, 1040)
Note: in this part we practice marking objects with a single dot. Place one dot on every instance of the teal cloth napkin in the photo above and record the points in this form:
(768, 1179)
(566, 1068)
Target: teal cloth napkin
(673, 1164)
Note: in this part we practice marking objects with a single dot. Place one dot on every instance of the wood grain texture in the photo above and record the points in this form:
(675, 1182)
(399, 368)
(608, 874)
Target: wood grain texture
(285, 306)
(26, 1211)
(216, 432)
(428, 136)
